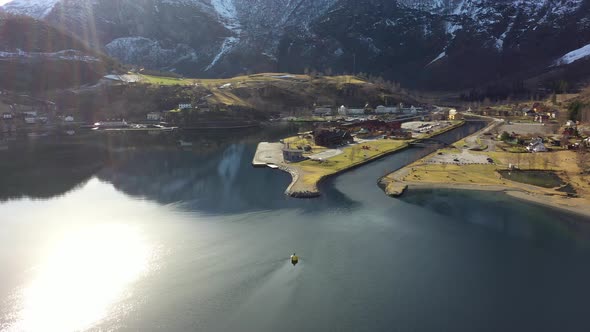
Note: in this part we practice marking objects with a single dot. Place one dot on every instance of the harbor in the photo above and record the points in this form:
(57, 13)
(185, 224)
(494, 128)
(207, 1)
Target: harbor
(309, 163)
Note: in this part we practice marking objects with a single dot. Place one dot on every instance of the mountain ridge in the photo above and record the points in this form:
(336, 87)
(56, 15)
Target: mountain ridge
(418, 42)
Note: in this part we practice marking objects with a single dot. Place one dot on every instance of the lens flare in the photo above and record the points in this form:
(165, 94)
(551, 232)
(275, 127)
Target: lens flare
(81, 280)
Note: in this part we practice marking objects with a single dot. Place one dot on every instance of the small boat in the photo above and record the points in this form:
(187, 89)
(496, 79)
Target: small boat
(294, 259)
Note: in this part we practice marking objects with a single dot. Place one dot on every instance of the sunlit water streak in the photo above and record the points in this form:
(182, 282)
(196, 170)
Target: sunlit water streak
(87, 271)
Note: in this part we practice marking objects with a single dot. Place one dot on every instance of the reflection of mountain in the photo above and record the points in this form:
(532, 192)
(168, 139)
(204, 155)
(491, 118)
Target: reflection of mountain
(46, 171)
(222, 181)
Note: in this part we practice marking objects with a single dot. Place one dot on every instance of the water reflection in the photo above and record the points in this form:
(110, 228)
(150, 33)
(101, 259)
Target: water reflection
(505, 214)
(82, 276)
(47, 171)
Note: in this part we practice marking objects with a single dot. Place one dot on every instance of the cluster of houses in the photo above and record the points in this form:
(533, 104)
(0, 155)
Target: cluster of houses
(164, 115)
(366, 110)
(538, 112)
(344, 133)
(19, 112)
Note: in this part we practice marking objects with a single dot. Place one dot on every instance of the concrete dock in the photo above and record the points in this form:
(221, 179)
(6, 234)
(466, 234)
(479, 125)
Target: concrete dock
(268, 154)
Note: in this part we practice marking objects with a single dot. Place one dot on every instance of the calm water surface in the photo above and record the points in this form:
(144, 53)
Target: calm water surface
(161, 239)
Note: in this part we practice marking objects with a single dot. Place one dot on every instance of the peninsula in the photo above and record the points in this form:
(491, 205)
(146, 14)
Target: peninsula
(309, 159)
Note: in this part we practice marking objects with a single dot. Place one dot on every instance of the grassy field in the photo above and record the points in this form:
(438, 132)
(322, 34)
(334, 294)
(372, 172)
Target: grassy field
(250, 79)
(248, 91)
(353, 155)
(562, 162)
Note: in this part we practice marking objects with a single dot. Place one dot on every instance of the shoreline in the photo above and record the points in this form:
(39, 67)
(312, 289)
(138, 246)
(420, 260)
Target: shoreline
(297, 189)
(394, 185)
(555, 201)
(312, 190)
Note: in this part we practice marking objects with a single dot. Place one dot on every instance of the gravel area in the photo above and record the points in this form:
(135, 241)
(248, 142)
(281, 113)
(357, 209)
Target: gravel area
(464, 158)
(527, 128)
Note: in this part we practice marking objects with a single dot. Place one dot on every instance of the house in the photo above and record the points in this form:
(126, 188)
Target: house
(570, 124)
(412, 110)
(293, 155)
(68, 118)
(454, 115)
(7, 116)
(350, 111)
(537, 145)
(438, 116)
(542, 118)
(553, 114)
(154, 116)
(185, 107)
(331, 137)
(30, 120)
(322, 111)
(529, 113)
(385, 110)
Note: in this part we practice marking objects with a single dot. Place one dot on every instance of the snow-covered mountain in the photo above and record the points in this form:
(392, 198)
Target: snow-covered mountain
(34, 8)
(421, 42)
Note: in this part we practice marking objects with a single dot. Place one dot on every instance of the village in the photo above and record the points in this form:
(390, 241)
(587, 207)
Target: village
(349, 137)
(535, 138)
(533, 153)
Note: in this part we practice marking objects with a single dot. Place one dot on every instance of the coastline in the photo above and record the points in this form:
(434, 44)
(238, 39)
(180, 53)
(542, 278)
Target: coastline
(299, 189)
(306, 179)
(395, 185)
(579, 206)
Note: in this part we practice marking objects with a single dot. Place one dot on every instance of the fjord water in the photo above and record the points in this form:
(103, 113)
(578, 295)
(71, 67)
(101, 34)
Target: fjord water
(162, 239)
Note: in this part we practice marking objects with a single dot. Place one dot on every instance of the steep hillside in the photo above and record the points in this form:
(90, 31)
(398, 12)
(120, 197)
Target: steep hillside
(434, 44)
(244, 97)
(35, 56)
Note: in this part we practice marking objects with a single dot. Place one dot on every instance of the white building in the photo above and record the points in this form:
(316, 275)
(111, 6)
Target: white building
(185, 107)
(536, 145)
(7, 116)
(385, 110)
(454, 115)
(154, 116)
(69, 118)
(343, 110)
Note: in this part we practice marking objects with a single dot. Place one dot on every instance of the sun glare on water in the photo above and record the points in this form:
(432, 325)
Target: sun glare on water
(82, 278)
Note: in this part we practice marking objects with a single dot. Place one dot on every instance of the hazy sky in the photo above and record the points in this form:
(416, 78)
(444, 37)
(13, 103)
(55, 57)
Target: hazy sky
(3, 2)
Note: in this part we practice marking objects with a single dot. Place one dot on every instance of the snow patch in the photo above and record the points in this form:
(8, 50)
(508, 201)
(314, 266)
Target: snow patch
(227, 45)
(500, 40)
(69, 55)
(229, 18)
(440, 56)
(34, 8)
(575, 55)
(148, 52)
